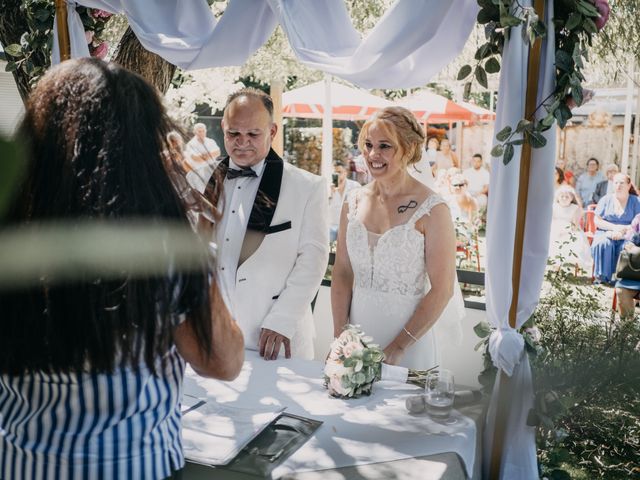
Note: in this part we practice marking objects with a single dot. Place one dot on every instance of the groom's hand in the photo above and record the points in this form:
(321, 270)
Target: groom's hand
(270, 342)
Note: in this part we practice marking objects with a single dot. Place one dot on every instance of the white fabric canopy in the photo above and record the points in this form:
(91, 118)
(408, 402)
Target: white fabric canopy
(398, 53)
(507, 345)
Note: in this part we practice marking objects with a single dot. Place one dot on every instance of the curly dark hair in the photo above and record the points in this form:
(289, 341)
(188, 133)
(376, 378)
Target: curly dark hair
(96, 136)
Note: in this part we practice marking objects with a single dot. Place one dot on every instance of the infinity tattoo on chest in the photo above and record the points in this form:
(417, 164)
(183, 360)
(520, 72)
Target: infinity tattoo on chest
(404, 208)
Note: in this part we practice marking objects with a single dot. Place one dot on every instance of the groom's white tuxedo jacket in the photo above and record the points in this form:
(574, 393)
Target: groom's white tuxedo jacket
(275, 285)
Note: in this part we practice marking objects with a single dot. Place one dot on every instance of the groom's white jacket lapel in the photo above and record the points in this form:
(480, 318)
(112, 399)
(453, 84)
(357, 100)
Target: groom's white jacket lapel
(275, 285)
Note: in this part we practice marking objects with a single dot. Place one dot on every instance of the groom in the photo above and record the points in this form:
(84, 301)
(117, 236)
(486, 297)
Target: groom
(272, 240)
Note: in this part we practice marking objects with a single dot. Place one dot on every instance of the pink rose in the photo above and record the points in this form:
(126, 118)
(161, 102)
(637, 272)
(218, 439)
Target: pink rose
(603, 9)
(101, 50)
(97, 13)
(349, 348)
(586, 96)
(88, 35)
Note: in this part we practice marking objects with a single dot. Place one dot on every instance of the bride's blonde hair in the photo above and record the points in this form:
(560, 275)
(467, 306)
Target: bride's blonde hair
(402, 128)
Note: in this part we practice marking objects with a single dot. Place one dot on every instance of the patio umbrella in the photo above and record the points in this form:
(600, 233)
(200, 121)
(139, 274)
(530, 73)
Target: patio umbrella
(347, 103)
(434, 108)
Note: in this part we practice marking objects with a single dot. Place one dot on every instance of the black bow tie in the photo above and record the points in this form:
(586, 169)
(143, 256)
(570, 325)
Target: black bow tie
(243, 172)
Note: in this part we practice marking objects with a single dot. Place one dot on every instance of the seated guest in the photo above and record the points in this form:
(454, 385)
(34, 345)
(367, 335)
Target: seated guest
(91, 369)
(477, 178)
(176, 150)
(629, 290)
(586, 184)
(463, 205)
(606, 186)
(339, 189)
(613, 217)
(558, 179)
(446, 158)
(567, 241)
(569, 177)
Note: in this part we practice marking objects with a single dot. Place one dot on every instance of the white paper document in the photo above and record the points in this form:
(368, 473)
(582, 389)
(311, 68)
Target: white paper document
(214, 433)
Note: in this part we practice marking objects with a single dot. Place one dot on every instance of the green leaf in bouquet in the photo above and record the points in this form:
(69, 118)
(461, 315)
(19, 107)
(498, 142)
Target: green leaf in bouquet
(358, 366)
(349, 362)
(359, 378)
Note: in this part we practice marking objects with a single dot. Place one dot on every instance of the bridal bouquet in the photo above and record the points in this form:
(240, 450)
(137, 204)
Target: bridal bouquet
(354, 364)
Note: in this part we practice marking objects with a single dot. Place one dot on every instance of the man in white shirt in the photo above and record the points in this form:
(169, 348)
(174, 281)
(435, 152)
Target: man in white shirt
(273, 238)
(478, 180)
(339, 190)
(201, 150)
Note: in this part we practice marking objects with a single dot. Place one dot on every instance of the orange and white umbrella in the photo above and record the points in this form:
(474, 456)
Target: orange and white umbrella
(347, 103)
(430, 107)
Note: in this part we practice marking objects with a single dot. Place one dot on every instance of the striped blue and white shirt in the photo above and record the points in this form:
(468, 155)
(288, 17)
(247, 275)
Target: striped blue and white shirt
(124, 425)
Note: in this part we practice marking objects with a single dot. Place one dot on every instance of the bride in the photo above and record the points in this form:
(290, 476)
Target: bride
(394, 273)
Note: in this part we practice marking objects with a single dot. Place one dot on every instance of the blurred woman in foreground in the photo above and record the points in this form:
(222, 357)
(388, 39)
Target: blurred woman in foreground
(91, 369)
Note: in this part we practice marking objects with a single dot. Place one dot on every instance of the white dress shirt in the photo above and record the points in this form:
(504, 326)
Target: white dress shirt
(206, 147)
(238, 198)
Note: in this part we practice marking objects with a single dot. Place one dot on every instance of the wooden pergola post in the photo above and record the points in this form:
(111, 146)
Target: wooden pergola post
(64, 44)
(275, 91)
(523, 193)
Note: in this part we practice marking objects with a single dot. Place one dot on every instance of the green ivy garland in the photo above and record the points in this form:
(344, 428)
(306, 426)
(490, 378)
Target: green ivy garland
(33, 54)
(576, 22)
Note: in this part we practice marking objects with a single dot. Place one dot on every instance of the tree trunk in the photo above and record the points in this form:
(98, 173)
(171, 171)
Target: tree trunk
(12, 26)
(132, 55)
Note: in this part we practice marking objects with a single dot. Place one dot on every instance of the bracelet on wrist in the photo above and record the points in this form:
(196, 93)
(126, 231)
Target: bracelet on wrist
(410, 334)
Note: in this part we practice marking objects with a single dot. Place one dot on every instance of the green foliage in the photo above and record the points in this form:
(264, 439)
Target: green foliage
(33, 55)
(12, 168)
(587, 381)
(574, 32)
(586, 369)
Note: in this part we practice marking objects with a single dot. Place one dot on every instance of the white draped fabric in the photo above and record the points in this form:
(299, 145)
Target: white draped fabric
(412, 42)
(507, 345)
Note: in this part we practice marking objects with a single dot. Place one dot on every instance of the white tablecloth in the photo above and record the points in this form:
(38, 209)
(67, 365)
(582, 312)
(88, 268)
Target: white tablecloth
(367, 430)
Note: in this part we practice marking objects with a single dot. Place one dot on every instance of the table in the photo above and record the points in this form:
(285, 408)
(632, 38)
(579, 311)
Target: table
(368, 438)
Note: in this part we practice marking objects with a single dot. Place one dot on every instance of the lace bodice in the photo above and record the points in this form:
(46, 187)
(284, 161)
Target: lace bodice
(395, 263)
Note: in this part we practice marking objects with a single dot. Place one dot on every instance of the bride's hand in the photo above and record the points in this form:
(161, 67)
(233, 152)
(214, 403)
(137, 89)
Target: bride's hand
(393, 353)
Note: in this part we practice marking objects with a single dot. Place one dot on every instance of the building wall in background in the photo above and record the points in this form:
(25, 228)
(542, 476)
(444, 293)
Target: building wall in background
(11, 107)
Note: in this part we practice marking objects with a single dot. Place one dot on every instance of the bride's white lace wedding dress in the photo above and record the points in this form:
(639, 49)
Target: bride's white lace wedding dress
(390, 279)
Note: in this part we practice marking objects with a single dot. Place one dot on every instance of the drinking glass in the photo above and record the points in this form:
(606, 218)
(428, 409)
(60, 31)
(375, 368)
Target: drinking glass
(439, 393)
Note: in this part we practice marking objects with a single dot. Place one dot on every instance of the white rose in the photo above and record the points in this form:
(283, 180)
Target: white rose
(335, 386)
(333, 368)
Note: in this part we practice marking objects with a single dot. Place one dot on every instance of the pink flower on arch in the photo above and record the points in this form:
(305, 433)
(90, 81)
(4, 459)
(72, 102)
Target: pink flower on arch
(101, 50)
(603, 8)
(88, 35)
(97, 13)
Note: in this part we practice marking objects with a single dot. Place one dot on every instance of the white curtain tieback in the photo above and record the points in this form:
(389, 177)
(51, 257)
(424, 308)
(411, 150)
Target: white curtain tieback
(506, 347)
